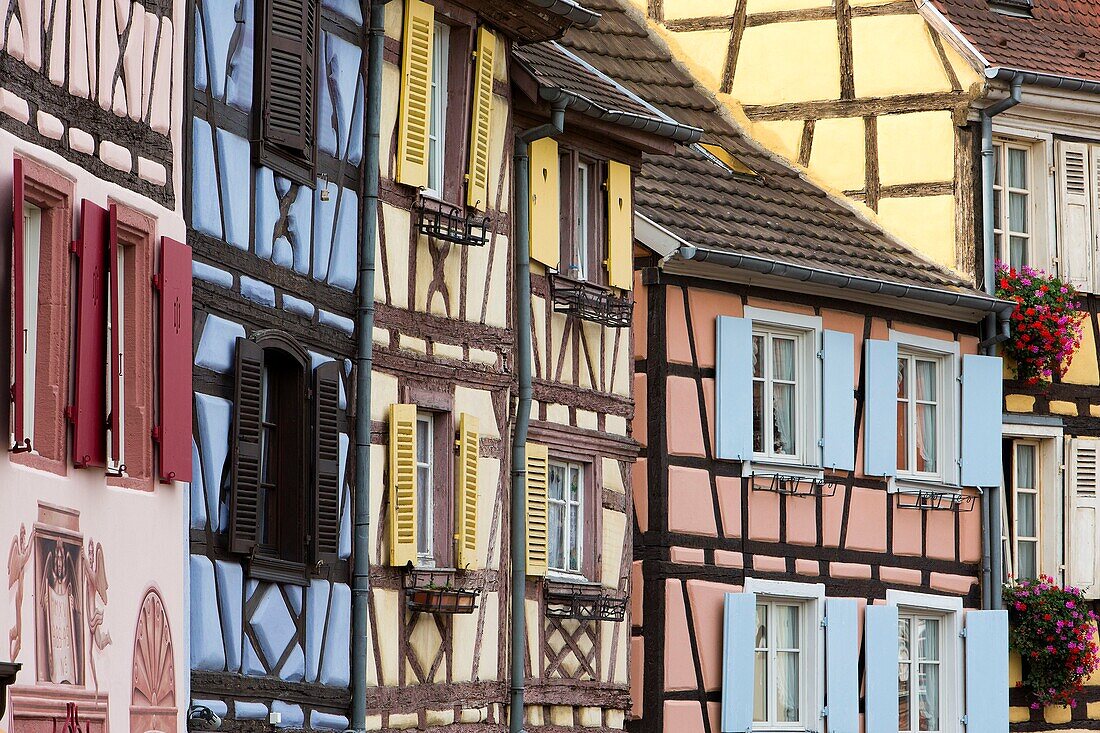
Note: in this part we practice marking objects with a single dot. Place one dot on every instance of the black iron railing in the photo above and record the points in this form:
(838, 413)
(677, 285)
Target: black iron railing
(438, 591)
(440, 220)
(590, 302)
(582, 601)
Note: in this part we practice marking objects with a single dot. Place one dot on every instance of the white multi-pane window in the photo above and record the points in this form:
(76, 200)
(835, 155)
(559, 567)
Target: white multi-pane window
(1012, 204)
(920, 415)
(425, 469)
(776, 374)
(582, 221)
(437, 127)
(28, 340)
(920, 678)
(778, 675)
(1025, 509)
(565, 517)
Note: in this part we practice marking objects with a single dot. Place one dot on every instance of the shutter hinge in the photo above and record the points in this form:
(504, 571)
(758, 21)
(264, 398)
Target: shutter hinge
(74, 247)
(825, 712)
(155, 433)
(821, 354)
(958, 462)
(821, 443)
(824, 625)
(962, 633)
(69, 412)
(158, 281)
(965, 720)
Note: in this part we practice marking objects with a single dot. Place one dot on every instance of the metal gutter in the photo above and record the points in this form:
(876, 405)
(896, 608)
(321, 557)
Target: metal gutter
(524, 362)
(579, 103)
(1050, 81)
(364, 364)
(581, 17)
(802, 273)
(992, 542)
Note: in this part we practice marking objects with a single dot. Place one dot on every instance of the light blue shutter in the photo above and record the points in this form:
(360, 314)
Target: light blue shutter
(838, 402)
(981, 420)
(987, 671)
(880, 424)
(733, 401)
(738, 662)
(842, 664)
(880, 653)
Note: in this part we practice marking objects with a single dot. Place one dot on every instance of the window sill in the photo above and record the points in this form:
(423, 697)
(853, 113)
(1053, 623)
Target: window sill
(276, 570)
(903, 484)
(765, 468)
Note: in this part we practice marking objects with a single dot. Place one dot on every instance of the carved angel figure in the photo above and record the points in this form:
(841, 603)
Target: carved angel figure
(18, 557)
(95, 584)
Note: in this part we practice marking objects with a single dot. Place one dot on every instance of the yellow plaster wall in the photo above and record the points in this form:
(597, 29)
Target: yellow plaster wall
(917, 147)
(769, 71)
(770, 6)
(1084, 369)
(676, 9)
(709, 54)
(837, 155)
(782, 136)
(614, 534)
(926, 223)
(893, 54)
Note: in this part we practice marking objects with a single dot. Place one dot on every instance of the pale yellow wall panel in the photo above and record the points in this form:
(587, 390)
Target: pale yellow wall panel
(395, 277)
(707, 54)
(479, 403)
(464, 632)
(538, 323)
(498, 132)
(614, 425)
(496, 313)
(587, 419)
(378, 457)
(383, 394)
(781, 136)
(556, 413)
(591, 344)
(534, 620)
(612, 475)
(1083, 369)
(867, 3)
(916, 147)
(488, 657)
(925, 223)
(560, 343)
(391, 101)
(614, 534)
(477, 270)
(394, 20)
(679, 9)
(387, 610)
(424, 642)
(893, 54)
(967, 74)
(488, 488)
(837, 154)
(768, 72)
(770, 6)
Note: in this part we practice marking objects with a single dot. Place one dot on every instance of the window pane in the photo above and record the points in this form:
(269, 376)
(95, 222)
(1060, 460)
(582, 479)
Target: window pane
(423, 441)
(1017, 168)
(578, 268)
(556, 520)
(903, 378)
(1025, 514)
(574, 483)
(787, 687)
(760, 693)
(557, 481)
(758, 416)
(786, 627)
(997, 164)
(1027, 560)
(903, 435)
(928, 639)
(783, 359)
(1017, 212)
(903, 640)
(926, 380)
(761, 627)
(757, 364)
(926, 438)
(1025, 466)
(423, 511)
(903, 697)
(1017, 255)
(928, 697)
(574, 538)
(783, 414)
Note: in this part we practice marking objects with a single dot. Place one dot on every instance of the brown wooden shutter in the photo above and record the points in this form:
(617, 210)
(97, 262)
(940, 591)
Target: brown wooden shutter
(290, 39)
(244, 500)
(326, 458)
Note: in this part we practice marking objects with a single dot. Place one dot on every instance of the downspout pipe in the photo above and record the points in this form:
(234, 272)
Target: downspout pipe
(364, 364)
(992, 542)
(524, 358)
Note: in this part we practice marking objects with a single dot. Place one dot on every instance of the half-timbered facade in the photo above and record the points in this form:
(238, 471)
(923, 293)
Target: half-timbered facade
(96, 282)
(817, 426)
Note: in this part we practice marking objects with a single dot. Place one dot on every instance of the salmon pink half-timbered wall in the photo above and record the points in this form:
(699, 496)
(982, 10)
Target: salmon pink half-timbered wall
(97, 338)
(733, 532)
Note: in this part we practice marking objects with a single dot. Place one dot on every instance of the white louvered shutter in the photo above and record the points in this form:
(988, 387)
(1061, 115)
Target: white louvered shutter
(1094, 251)
(1084, 561)
(1075, 217)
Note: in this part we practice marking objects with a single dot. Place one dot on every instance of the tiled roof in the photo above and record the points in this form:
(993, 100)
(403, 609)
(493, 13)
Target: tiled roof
(1062, 37)
(558, 71)
(778, 214)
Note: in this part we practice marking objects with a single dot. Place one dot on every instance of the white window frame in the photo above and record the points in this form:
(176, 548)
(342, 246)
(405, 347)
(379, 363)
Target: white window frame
(568, 573)
(1002, 191)
(806, 330)
(425, 494)
(28, 341)
(582, 218)
(949, 610)
(1042, 247)
(948, 432)
(811, 596)
(437, 123)
(1037, 492)
(1054, 529)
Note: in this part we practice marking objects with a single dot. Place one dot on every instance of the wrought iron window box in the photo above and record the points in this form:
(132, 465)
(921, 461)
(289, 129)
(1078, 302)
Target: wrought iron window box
(440, 220)
(793, 485)
(582, 601)
(590, 302)
(935, 500)
(436, 591)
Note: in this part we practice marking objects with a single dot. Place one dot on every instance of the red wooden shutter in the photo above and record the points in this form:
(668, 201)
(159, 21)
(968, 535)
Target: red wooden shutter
(88, 412)
(114, 418)
(174, 386)
(244, 502)
(19, 441)
(326, 457)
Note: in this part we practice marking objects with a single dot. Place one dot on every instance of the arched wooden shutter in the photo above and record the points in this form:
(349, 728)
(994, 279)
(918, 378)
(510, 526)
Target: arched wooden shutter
(416, 94)
(244, 502)
(402, 484)
(469, 443)
(538, 468)
(477, 186)
(545, 188)
(620, 226)
(290, 40)
(20, 441)
(326, 460)
(88, 412)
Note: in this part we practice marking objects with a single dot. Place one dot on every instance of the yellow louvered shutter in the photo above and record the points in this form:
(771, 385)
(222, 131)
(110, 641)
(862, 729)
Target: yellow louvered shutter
(477, 177)
(402, 484)
(469, 439)
(545, 202)
(538, 460)
(620, 227)
(416, 93)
